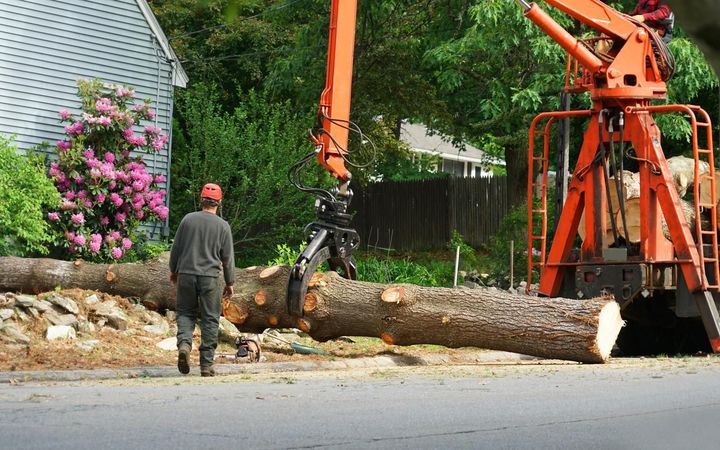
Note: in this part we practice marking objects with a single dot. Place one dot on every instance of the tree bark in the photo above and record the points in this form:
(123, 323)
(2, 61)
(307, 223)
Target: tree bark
(400, 314)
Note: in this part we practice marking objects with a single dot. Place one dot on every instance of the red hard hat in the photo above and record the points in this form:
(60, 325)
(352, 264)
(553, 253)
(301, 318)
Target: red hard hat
(212, 191)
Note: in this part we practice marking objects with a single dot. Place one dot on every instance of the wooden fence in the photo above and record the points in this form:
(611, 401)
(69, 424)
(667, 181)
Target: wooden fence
(421, 215)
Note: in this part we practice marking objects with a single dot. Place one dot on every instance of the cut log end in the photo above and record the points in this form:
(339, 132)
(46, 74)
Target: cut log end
(236, 313)
(311, 302)
(260, 297)
(269, 272)
(388, 338)
(304, 325)
(609, 325)
(393, 294)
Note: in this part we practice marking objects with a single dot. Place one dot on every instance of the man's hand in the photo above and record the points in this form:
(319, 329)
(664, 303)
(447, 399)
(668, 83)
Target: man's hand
(639, 18)
(229, 291)
(173, 277)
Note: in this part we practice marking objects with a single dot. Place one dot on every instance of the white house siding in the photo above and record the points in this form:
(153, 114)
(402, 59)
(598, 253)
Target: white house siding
(47, 45)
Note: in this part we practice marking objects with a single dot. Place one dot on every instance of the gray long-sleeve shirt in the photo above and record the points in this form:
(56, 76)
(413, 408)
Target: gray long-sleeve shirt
(203, 246)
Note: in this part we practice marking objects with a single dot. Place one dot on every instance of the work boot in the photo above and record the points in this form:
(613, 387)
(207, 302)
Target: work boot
(184, 359)
(207, 371)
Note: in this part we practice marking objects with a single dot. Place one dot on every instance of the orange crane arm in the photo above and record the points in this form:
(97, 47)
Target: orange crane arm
(334, 109)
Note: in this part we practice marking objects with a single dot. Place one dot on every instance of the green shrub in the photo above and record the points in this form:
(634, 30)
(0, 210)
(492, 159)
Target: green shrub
(25, 192)
(286, 255)
(387, 271)
(468, 258)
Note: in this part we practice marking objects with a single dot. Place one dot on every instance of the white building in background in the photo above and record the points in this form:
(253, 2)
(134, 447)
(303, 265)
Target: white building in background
(467, 162)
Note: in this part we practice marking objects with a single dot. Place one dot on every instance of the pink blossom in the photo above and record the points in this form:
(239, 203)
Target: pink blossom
(82, 194)
(162, 212)
(76, 128)
(150, 113)
(136, 140)
(88, 153)
(116, 253)
(96, 237)
(88, 203)
(104, 105)
(139, 214)
(79, 179)
(69, 235)
(116, 200)
(104, 120)
(63, 145)
(125, 92)
(138, 185)
(114, 235)
(152, 130)
(110, 157)
(128, 133)
(127, 190)
(66, 204)
(64, 114)
(94, 173)
(78, 218)
(100, 197)
(54, 170)
(126, 153)
(53, 216)
(159, 179)
(120, 217)
(104, 221)
(70, 195)
(126, 243)
(80, 240)
(95, 247)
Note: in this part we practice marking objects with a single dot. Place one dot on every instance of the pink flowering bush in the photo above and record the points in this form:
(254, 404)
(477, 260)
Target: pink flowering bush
(105, 191)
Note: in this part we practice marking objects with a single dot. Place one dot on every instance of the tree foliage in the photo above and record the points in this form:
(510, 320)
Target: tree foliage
(475, 70)
(248, 151)
(25, 193)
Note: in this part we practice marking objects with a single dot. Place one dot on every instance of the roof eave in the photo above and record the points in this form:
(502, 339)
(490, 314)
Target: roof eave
(180, 78)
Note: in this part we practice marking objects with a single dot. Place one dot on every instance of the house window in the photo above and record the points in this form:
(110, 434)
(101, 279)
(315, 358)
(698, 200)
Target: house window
(456, 168)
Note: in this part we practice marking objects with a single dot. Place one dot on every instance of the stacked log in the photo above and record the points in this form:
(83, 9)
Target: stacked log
(682, 170)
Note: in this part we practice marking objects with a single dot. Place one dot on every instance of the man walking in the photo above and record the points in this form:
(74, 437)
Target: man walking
(203, 247)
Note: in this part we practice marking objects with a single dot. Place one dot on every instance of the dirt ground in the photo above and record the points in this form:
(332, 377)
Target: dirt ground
(136, 347)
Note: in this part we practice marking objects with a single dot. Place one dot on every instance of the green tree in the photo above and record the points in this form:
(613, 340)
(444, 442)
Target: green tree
(25, 194)
(248, 152)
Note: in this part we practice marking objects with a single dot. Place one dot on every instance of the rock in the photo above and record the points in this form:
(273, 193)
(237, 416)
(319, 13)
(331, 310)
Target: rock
(22, 315)
(118, 320)
(55, 318)
(14, 335)
(227, 332)
(85, 326)
(6, 313)
(168, 344)
(470, 284)
(130, 332)
(7, 301)
(170, 315)
(64, 303)
(60, 332)
(161, 328)
(91, 300)
(32, 312)
(155, 318)
(87, 345)
(112, 315)
(25, 301)
(41, 305)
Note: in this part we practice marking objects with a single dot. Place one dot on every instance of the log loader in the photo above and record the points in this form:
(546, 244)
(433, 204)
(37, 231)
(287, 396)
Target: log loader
(659, 283)
(668, 289)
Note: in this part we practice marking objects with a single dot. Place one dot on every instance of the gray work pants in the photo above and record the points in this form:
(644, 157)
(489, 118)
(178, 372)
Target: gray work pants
(201, 297)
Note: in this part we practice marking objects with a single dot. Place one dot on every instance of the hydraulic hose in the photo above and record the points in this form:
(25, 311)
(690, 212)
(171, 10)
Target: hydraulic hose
(606, 174)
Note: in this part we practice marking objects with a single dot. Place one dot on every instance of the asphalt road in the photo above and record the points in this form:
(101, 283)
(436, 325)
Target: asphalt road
(671, 403)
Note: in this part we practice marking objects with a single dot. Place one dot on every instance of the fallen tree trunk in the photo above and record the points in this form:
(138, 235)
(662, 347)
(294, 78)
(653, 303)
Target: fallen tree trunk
(404, 314)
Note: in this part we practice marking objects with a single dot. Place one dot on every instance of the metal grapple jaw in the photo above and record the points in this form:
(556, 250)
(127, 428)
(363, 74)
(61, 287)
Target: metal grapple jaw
(331, 241)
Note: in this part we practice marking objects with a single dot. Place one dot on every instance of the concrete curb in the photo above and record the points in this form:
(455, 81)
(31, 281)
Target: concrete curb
(264, 367)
